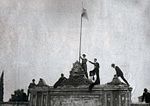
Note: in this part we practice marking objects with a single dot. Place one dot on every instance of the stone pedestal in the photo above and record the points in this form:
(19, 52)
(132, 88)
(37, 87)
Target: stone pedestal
(101, 95)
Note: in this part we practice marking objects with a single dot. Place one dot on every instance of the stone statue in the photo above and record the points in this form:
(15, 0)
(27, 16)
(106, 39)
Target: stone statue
(31, 85)
(41, 83)
(77, 70)
(115, 81)
(60, 81)
(76, 77)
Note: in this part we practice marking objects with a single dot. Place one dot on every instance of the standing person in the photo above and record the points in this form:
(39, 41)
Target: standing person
(119, 73)
(146, 96)
(32, 85)
(95, 71)
(84, 65)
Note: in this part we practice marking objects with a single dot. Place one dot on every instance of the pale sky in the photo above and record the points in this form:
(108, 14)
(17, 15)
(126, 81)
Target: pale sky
(40, 39)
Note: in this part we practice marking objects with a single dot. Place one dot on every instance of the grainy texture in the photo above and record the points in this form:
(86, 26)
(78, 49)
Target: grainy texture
(40, 38)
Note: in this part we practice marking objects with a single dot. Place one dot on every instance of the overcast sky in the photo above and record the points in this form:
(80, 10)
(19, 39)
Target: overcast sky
(40, 39)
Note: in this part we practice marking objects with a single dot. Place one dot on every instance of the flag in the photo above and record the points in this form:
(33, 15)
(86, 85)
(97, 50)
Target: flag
(2, 87)
(84, 13)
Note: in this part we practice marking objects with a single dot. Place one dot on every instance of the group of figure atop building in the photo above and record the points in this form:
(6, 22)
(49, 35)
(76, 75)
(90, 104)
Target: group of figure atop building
(95, 71)
(92, 73)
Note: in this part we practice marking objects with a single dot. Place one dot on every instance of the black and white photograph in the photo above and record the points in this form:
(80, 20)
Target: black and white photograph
(74, 52)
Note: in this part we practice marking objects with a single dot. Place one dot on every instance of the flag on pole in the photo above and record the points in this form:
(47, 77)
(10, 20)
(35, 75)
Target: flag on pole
(84, 13)
(2, 87)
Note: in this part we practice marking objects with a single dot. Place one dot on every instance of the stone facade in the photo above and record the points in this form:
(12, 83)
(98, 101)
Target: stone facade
(101, 95)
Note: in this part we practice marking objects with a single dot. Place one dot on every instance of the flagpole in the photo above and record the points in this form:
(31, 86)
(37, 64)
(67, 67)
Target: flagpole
(80, 39)
(80, 35)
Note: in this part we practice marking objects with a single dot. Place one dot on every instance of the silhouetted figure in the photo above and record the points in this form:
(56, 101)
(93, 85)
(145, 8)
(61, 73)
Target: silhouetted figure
(60, 80)
(95, 71)
(23, 96)
(119, 73)
(146, 96)
(84, 65)
(41, 83)
(19, 96)
(31, 85)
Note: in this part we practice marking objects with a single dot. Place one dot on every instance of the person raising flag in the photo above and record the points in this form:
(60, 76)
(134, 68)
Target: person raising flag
(84, 65)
